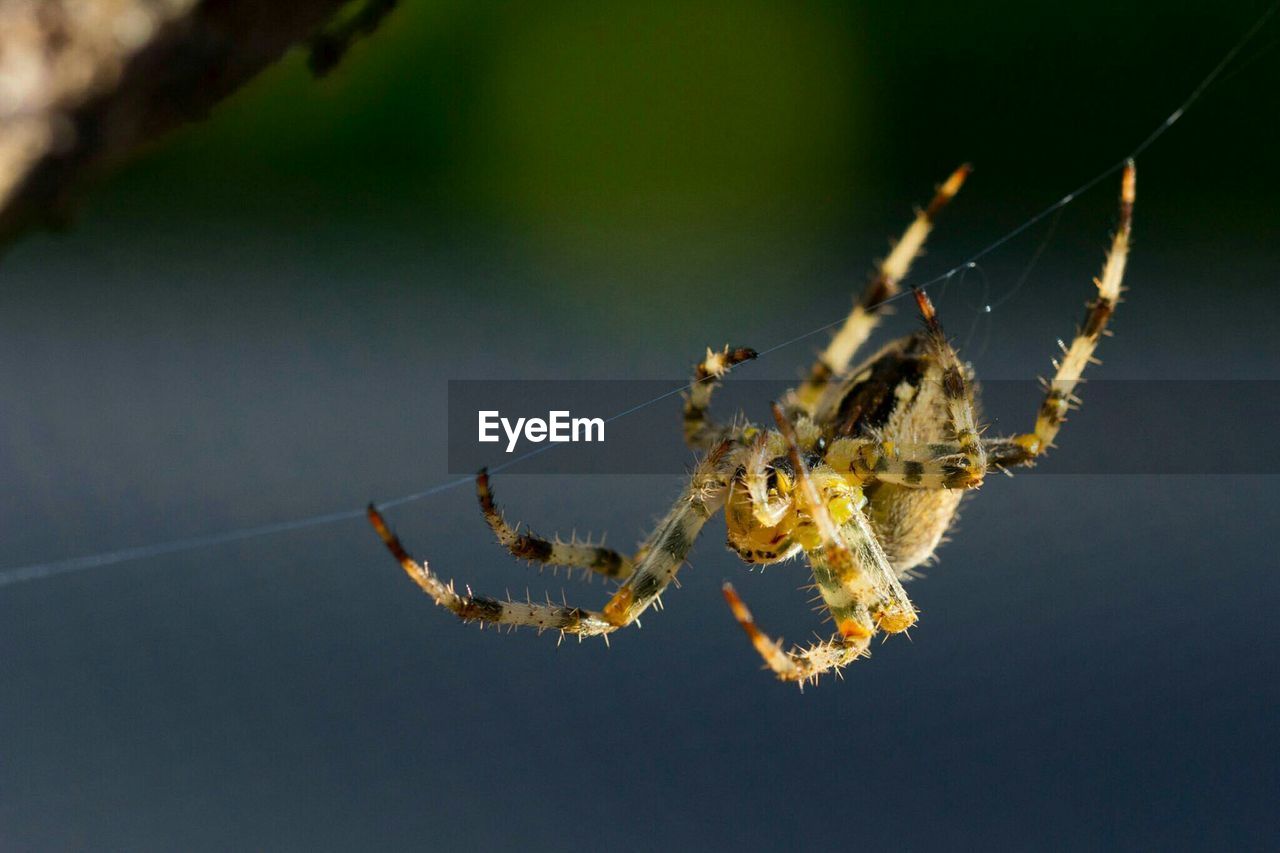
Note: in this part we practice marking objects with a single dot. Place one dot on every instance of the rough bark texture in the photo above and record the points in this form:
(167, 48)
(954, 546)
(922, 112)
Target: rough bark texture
(84, 82)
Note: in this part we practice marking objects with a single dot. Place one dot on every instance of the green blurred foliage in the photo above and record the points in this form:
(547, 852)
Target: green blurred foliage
(665, 110)
(537, 112)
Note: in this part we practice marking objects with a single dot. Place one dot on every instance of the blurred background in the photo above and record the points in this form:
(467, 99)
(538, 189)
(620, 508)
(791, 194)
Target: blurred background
(255, 321)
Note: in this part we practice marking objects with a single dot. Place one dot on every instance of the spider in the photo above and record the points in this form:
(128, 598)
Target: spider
(863, 474)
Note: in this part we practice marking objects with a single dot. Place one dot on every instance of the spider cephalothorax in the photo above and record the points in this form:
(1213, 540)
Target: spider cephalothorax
(863, 474)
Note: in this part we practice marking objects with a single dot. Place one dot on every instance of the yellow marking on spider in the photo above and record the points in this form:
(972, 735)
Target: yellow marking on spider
(841, 508)
(895, 621)
(1029, 442)
(615, 612)
(852, 629)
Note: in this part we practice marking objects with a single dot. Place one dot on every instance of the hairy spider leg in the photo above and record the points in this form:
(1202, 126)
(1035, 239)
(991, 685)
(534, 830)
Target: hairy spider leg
(801, 664)
(668, 548)
(956, 391)
(469, 607)
(700, 431)
(867, 311)
(932, 466)
(851, 552)
(1060, 392)
(529, 546)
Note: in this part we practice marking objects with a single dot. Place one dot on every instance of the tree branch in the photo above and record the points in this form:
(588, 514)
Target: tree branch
(83, 84)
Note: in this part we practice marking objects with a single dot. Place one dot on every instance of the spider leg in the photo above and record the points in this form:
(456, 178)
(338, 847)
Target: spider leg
(528, 546)
(956, 392)
(700, 432)
(800, 665)
(666, 549)
(1059, 393)
(867, 311)
(469, 607)
(669, 546)
(939, 465)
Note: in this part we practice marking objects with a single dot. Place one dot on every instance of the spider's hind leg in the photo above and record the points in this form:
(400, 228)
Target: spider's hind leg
(800, 665)
(528, 546)
(1060, 391)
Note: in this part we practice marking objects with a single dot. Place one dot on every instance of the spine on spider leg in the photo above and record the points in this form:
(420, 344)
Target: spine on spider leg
(1060, 395)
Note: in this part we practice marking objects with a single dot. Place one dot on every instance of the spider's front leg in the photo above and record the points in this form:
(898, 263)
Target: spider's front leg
(799, 665)
(1060, 392)
(528, 546)
(667, 550)
(700, 432)
(867, 311)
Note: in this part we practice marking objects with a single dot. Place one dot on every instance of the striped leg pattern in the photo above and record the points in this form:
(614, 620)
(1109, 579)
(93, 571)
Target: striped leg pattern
(1060, 392)
(666, 552)
(867, 311)
(941, 465)
(957, 394)
(801, 665)
(700, 432)
(528, 546)
(666, 549)
(469, 607)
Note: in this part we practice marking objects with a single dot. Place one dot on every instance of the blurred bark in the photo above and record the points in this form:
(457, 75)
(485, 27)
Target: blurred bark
(85, 82)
